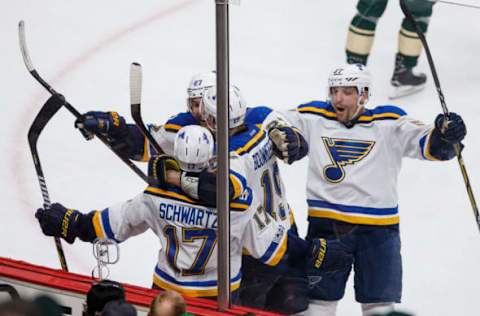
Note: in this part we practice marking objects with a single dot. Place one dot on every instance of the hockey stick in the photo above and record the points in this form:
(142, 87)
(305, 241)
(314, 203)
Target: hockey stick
(70, 108)
(53, 104)
(463, 168)
(135, 103)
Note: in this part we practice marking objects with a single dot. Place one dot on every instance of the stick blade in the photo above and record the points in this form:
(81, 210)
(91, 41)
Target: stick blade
(135, 84)
(23, 46)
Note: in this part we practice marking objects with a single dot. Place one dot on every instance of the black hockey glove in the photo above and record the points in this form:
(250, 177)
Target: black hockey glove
(57, 221)
(329, 256)
(110, 124)
(157, 170)
(452, 130)
(288, 143)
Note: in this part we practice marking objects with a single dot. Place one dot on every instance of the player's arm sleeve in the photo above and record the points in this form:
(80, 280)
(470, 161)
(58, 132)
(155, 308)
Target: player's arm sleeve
(136, 143)
(265, 239)
(122, 220)
(165, 138)
(421, 141)
(296, 120)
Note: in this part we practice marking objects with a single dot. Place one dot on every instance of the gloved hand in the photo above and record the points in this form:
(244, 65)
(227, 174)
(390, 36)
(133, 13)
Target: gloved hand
(57, 221)
(157, 170)
(452, 130)
(289, 143)
(107, 123)
(329, 256)
(189, 182)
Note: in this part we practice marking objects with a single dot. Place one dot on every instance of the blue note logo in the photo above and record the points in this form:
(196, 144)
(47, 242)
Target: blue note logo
(343, 152)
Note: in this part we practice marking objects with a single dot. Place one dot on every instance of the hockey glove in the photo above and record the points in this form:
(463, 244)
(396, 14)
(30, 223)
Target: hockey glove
(157, 170)
(453, 129)
(288, 143)
(189, 182)
(110, 124)
(57, 221)
(329, 256)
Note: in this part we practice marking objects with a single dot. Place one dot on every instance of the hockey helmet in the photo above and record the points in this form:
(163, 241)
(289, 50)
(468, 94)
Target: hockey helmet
(198, 84)
(237, 107)
(350, 75)
(193, 148)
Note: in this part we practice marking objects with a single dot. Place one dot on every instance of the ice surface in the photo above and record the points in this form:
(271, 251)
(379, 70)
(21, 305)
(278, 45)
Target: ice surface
(281, 52)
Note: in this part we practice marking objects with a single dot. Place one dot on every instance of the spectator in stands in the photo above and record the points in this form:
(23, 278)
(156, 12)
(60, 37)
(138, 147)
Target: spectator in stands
(18, 307)
(119, 308)
(167, 303)
(46, 306)
(100, 294)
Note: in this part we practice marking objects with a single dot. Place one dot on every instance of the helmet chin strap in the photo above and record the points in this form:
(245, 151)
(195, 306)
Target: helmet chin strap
(359, 110)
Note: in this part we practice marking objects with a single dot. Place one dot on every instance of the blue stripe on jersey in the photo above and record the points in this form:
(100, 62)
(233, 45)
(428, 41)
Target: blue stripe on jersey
(425, 148)
(183, 119)
(326, 110)
(246, 140)
(257, 115)
(171, 279)
(354, 209)
(106, 225)
(422, 146)
(266, 256)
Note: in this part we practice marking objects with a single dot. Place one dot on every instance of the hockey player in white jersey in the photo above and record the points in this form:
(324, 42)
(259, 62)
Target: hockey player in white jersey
(186, 227)
(355, 157)
(276, 281)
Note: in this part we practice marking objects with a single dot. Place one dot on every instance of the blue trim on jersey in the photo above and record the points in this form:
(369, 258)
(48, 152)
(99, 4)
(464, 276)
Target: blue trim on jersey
(257, 115)
(318, 104)
(242, 139)
(382, 109)
(171, 279)
(422, 146)
(326, 110)
(247, 200)
(183, 119)
(354, 209)
(106, 225)
(270, 250)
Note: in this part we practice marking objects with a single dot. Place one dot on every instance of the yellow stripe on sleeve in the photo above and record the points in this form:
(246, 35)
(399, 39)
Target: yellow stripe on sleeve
(250, 143)
(237, 186)
(97, 225)
(146, 151)
(426, 150)
(172, 127)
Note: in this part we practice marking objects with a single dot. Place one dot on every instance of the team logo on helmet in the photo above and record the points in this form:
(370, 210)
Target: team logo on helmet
(343, 152)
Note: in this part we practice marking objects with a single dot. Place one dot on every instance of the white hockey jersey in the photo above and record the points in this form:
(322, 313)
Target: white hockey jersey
(187, 262)
(352, 172)
(251, 161)
(267, 232)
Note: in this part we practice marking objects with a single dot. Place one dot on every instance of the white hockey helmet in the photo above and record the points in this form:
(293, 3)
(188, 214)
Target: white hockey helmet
(237, 107)
(350, 75)
(198, 84)
(193, 148)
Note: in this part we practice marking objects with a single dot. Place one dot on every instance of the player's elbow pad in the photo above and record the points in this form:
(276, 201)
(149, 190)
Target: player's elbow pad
(441, 149)
(207, 188)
